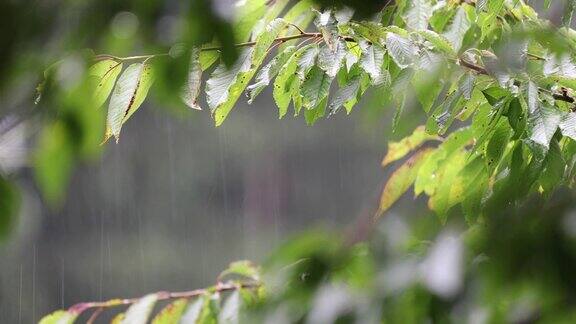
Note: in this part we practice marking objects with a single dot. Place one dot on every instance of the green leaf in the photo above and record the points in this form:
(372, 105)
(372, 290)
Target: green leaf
(458, 28)
(331, 60)
(222, 80)
(427, 88)
(307, 59)
(568, 125)
(401, 179)
(466, 84)
(287, 83)
(543, 123)
(444, 115)
(129, 93)
(398, 150)
(59, 317)
(192, 313)
(191, 88)
(210, 309)
(345, 96)
(426, 180)
(247, 14)
(554, 167)
(449, 189)
(207, 59)
(418, 15)
(312, 115)
(104, 75)
(516, 115)
(438, 41)
(9, 206)
(497, 144)
(268, 72)
(231, 309)
(315, 87)
(372, 61)
(243, 269)
(172, 313)
(401, 49)
(139, 312)
(568, 12)
(226, 85)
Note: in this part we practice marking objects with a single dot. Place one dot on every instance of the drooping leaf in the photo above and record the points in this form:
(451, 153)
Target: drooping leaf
(172, 313)
(243, 269)
(231, 310)
(59, 317)
(568, 125)
(371, 61)
(427, 88)
(226, 85)
(307, 59)
(438, 41)
(330, 60)
(223, 79)
(497, 144)
(315, 87)
(447, 191)
(104, 75)
(345, 96)
(129, 93)
(139, 312)
(210, 309)
(401, 180)
(191, 88)
(426, 180)
(192, 313)
(401, 49)
(554, 166)
(398, 150)
(287, 83)
(313, 114)
(456, 31)
(568, 13)
(419, 14)
(543, 122)
(268, 72)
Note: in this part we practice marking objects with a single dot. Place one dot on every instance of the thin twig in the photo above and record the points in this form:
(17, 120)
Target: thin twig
(162, 295)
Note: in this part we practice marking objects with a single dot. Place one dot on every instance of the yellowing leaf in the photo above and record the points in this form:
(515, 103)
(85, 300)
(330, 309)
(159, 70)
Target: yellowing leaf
(59, 317)
(398, 150)
(103, 74)
(401, 180)
(172, 313)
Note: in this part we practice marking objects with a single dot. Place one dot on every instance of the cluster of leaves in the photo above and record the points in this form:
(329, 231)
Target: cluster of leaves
(491, 74)
(239, 287)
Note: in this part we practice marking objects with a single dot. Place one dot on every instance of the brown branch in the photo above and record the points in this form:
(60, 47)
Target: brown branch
(161, 295)
(561, 95)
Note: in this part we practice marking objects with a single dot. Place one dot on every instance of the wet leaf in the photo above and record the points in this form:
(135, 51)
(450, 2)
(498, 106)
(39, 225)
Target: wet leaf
(401, 179)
